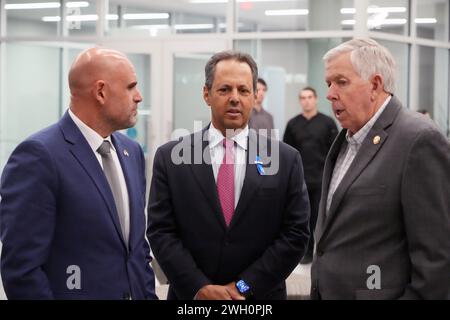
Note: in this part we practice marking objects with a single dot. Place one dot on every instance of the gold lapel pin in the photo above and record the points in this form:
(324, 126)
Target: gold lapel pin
(125, 152)
(376, 140)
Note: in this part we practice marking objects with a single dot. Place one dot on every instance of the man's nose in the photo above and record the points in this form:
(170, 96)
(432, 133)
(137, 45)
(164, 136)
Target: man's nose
(331, 94)
(234, 97)
(138, 97)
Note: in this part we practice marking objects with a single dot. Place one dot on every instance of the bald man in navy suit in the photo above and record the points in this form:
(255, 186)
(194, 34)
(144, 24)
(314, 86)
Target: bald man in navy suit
(72, 217)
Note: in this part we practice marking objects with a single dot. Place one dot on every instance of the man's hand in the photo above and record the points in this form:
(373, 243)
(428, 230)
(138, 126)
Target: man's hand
(216, 292)
(233, 291)
(213, 292)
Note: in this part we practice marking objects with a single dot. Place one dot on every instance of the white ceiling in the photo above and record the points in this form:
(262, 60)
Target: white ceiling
(248, 12)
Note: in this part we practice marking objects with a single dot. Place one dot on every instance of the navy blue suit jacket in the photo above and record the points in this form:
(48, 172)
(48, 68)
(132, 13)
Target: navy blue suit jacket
(57, 213)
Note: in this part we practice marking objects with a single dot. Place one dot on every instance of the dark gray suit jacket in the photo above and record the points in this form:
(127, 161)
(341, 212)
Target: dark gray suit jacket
(267, 236)
(391, 210)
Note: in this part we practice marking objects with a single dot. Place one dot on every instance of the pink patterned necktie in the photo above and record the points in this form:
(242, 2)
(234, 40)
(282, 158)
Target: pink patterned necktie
(225, 181)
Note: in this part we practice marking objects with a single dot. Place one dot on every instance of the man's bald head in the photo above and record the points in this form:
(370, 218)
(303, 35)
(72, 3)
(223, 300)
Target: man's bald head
(103, 88)
(92, 65)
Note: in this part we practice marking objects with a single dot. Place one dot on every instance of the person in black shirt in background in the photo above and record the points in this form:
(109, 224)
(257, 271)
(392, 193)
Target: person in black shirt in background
(312, 134)
(260, 118)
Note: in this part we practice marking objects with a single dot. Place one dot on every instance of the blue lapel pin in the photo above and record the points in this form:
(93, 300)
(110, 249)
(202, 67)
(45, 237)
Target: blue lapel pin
(125, 152)
(259, 166)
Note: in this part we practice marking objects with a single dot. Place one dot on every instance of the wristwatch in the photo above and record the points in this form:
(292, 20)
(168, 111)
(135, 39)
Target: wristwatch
(243, 288)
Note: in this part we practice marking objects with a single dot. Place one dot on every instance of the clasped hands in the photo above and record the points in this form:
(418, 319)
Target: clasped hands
(218, 292)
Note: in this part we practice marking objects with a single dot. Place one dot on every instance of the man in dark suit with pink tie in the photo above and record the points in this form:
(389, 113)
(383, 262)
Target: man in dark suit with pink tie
(228, 209)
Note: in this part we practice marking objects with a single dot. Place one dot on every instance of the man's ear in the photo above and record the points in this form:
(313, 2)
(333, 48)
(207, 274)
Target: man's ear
(377, 83)
(206, 95)
(100, 91)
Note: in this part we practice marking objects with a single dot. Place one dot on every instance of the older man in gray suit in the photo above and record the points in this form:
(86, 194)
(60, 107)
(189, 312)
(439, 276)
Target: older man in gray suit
(383, 230)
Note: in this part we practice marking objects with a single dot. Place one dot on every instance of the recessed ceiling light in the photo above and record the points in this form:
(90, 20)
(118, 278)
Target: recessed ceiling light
(375, 10)
(425, 20)
(145, 16)
(45, 5)
(287, 12)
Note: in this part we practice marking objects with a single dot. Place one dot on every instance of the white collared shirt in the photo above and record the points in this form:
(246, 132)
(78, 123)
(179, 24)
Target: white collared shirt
(348, 154)
(217, 151)
(95, 140)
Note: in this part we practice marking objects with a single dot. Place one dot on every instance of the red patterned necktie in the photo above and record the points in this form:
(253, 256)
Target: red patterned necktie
(225, 181)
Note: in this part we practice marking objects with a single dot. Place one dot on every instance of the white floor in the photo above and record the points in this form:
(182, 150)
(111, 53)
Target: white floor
(303, 269)
(2, 292)
(298, 284)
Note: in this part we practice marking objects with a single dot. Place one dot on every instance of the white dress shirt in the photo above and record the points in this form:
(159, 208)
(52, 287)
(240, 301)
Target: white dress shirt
(95, 140)
(217, 151)
(349, 152)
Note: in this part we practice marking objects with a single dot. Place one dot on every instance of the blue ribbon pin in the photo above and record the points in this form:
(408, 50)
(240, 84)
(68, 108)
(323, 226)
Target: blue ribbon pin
(259, 166)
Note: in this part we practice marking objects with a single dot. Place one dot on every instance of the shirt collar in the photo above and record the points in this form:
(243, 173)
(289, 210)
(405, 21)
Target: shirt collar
(215, 137)
(93, 138)
(359, 136)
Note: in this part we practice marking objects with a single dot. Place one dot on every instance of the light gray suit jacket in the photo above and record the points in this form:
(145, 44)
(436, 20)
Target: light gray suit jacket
(389, 218)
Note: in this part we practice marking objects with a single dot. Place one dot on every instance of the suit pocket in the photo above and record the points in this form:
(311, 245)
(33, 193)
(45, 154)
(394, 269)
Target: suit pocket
(379, 294)
(369, 191)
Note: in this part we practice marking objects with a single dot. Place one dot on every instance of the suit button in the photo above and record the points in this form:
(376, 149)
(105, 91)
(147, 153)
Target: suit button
(319, 253)
(126, 296)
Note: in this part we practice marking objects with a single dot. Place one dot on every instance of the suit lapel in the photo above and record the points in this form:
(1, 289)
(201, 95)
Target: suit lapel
(252, 180)
(327, 174)
(124, 155)
(87, 159)
(365, 154)
(369, 148)
(203, 173)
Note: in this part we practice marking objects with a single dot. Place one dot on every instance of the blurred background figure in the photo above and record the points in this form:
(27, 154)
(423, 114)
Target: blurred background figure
(260, 118)
(312, 133)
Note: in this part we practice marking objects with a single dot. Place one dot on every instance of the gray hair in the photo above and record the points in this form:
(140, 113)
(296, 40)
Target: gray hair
(210, 67)
(368, 57)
